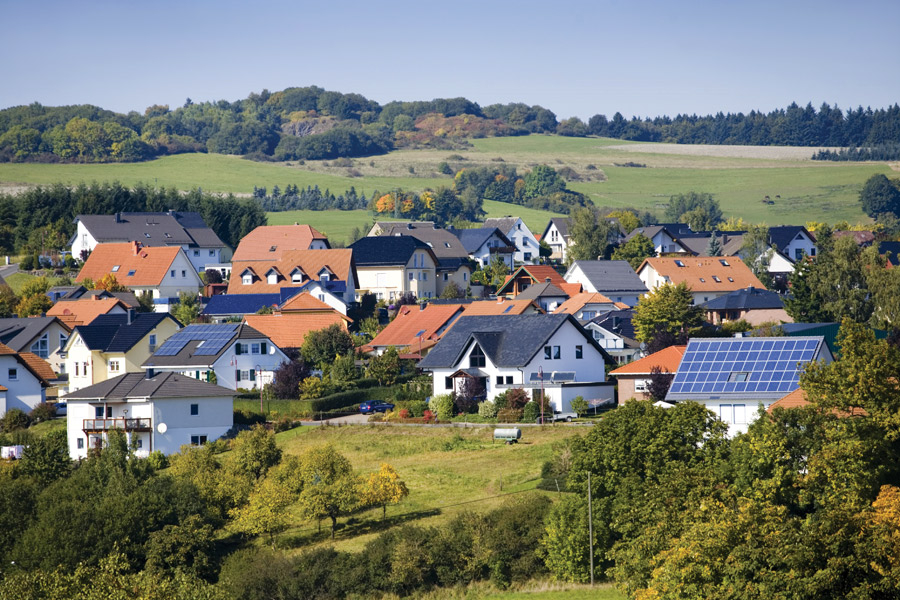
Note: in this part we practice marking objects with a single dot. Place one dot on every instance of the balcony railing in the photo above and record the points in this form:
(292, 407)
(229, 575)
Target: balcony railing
(124, 424)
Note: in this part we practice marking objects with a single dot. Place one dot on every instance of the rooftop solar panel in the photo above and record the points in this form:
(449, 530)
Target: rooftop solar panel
(214, 338)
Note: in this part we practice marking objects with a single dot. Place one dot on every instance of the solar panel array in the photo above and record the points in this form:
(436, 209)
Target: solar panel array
(214, 337)
(745, 365)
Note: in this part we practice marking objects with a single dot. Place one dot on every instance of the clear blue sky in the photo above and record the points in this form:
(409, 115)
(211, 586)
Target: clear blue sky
(643, 58)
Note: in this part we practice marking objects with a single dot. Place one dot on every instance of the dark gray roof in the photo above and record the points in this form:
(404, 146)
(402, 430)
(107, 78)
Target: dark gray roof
(504, 224)
(540, 290)
(616, 321)
(610, 275)
(18, 333)
(127, 297)
(508, 340)
(187, 356)
(782, 235)
(746, 299)
(173, 228)
(473, 239)
(386, 250)
(113, 333)
(136, 386)
(562, 225)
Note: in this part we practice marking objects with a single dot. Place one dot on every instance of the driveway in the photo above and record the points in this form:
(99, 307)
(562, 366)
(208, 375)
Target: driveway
(349, 419)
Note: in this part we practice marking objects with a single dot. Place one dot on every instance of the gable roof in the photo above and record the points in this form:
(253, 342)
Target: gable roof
(136, 386)
(38, 366)
(84, 310)
(746, 299)
(415, 324)
(700, 272)
(782, 235)
(798, 399)
(542, 290)
(442, 242)
(537, 274)
(473, 239)
(562, 225)
(617, 322)
(508, 340)
(184, 346)
(152, 229)
(149, 265)
(609, 275)
(340, 262)
(17, 333)
(270, 242)
(304, 302)
(288, 330)
(113, 333)
(504, 224)
(387, 250)
(666, 359)
(501, 306)
(578, 301)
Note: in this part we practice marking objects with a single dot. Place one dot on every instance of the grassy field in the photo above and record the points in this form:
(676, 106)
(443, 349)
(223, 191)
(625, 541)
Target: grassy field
(740, 177)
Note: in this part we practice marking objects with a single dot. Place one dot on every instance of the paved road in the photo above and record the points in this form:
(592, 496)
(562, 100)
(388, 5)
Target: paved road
(7, 270)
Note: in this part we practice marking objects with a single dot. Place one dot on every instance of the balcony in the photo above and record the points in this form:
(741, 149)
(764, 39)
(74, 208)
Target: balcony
(100, 425)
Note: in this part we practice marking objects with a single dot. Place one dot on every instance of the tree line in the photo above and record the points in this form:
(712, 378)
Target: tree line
(41, 218)
(309, 123)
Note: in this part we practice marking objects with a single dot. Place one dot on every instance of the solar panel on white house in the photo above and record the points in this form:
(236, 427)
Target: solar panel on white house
(213, 338)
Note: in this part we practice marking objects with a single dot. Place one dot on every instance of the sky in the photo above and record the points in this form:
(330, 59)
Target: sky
(576, 58)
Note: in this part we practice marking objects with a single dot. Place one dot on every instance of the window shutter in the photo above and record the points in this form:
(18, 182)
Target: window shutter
(252, 375)
(263, 349)
(237, 348)
(237, 375)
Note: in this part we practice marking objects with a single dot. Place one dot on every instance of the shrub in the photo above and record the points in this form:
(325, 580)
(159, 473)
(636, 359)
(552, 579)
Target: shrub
(427, 415)
(315, 387)
(246, 417)
(27, 263)
(43, 412)
(417, 408)
(516, 398)
(442, 406)
(487, 409)
(445, 169)
(404, 413)
(509, 415)
(14, 420)
(531, 412)
(158, 460)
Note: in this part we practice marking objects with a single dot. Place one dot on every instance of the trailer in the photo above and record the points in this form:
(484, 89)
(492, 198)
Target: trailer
(510, 435)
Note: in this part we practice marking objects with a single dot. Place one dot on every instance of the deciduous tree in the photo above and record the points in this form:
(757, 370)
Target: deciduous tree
(668, 308)
(383, 488)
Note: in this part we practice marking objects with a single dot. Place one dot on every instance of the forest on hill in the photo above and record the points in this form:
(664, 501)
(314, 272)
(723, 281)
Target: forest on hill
(310, 123)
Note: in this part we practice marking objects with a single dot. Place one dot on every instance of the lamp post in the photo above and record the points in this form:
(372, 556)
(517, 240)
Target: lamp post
(259, 385)
(541, 377)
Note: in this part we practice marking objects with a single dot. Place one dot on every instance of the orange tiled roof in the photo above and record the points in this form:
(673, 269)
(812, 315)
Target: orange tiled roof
(305, 302)
(501, 306)
(4, 349)
(339, 261)
(700, 273)
(578, 301)
(797, 399)
(540, 274)
(259, 243)
(83, 311)
(40, 366)
(666, 359)
(412, 324)
(150, 264)
(289, 330)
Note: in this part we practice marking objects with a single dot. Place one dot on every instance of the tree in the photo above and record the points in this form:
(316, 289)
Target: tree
(668, 308)
(287, 377)
(109, 283)
(383, 488)
(31, 306)
(757, 251)
(880, 196)
(590, 236)
(47, 458)
(451, 291)
(543, 181)
(254, 452)
(659, 383)
(188, 308)
(188, 547)
(698, 209)
(265, 512)
(321, 346)
(8, 302)
(714, 248)
(343, 371)
(385, 367)
(635, 250)
(330, 488)
(566, 541)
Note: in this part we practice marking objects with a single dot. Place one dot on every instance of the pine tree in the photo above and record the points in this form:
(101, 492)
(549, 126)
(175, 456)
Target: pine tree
(714, 248)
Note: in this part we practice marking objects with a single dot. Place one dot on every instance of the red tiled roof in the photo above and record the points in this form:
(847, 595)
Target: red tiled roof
(340, 262)
(413, 324)
(797, 399)
(150, 264)
(305, 302)
(578, 301)
(700, 272)
(289, 330)
(666, 359)
(84, 310)
(500, 306)
(259, 243)
(40, 366)
(539, 274)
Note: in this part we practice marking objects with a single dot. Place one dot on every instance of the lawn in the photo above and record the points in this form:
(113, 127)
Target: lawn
(448, 471)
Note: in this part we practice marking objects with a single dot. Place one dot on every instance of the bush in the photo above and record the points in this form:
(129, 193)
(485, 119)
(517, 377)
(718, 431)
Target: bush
(445, 169)
(27, 263)
(509, 415)
(487, 409)
(516, 398)
(247, 417)
(442, 407)
(158, 460)
(14, 420)
(417, 408)
(42, 412)
(531, 412)
(312, 388)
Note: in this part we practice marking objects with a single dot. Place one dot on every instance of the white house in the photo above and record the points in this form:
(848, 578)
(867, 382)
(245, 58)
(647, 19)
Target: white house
(515, 229)
(708, 277)
(556, 235)
(164, 271)
(22, 386)
(614, 332)
(615, 279)
(161, 411)
(552, 354)
(666, 238)
(186, 230)
(232, 355)
(45, 337)
(485, 244)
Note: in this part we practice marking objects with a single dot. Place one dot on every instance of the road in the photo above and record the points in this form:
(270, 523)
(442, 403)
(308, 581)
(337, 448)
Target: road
(7, 270)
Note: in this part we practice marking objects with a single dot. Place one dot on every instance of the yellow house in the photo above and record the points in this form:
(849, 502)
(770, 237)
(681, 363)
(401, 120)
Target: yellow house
(113, 345)
(389, 266)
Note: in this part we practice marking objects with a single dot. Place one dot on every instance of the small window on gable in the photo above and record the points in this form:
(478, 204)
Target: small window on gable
(272, 278)
(579, 352)
(476, 357)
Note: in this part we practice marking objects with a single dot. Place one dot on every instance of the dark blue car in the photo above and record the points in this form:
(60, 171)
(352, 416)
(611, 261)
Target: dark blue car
(374, 406)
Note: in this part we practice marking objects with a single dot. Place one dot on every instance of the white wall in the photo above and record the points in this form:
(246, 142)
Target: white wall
(525, 243)
(200, 257)
(185, 278)
(738, 414)
(25, 391)
(83, 240)
(804, 244)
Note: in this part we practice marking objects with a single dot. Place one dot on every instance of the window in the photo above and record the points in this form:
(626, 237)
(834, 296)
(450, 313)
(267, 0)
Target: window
(724, 262)
(132, 272)
(726, 413)
(798, 253)
(424, 275)
(740, 413)
(63, 338)
(115, 268)
(579, 352)
(195, 409)
(252, 374)
(237, 375)
(13, 374)
(247, 279)
(465, 276)
(640, 385)
(254, 348)
(556, 353)
(196, 253)
(114, 366)
(812, 251)
(548, 352)
(598, 335)
(272, 279)
(42, 346)
(716, 279)
(198, 440)
(245, 375)
(212, 252)
(499, 379)
(679, 263)
(152, 339)
(184, 273)
(588, 314)
(240, 348)
(476, 358)
(527, 254)
(322, 297)
(448, 383)
(98, 412)
(172, 273)
(77, 374)
(509, 380)
(446, 276)
(412, 275)
(80, 443)
(139, 443)
(739, 376)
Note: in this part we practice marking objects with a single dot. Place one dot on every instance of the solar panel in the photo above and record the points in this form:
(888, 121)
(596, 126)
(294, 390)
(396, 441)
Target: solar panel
(558, 376)
(743, 365)
(214, 338)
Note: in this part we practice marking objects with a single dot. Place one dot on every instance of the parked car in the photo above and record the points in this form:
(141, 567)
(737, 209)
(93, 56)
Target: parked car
(556, 416)
(61, 409)
(374, 406)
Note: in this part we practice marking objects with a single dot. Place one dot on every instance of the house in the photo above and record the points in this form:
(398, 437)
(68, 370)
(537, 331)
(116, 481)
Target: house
(24, 379)
(163, 271)
(756, 306)
(295, 269)
(515, 229)
(270, 242)
(798, 399)
(288, 330)
(115, 344)
(667, 237)
(549, 354)
(185, 230)
(156, 411)
(548, 296)
(707, 277)
(793, 241)
(586, 306)
(614, 332)
(453, 264)
(44, 337)
(485, 244)
(232, 355)
(228, 307)
(615, 279)
(556, 235)
(85, 310)
(79, 292)
(528, 275)
(634, 378)
(390, 266)
(732, 377)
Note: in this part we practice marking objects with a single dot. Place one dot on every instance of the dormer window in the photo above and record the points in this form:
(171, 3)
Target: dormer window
(247, 277)
(272, 248)
(272, 278)
(147, 235)
(476, 358)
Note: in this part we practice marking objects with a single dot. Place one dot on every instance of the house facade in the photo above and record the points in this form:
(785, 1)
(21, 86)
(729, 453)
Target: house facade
(485, 244)
(707, 277)
(162, 411)
(271, 242)
(45, 337)
(22, 386)
(556, 235)
(615, 279)
(515, 230)
(634, 378)
(390, 266)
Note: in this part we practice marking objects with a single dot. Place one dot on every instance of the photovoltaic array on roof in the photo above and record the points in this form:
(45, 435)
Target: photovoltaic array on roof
(214, 338)
(746, 365)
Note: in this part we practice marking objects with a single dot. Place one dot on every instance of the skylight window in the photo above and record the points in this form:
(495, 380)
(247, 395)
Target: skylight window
(272, 248)
(507, 309)
(702, 280)
(738, 376)
(716, 279)
(146, 235)
(679, 263)
(724, 262)
(131, 273)
(731, 279)
(421, 331)
(115, 268)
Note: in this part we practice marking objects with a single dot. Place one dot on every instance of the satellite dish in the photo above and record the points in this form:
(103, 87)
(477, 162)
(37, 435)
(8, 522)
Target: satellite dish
(162, 428)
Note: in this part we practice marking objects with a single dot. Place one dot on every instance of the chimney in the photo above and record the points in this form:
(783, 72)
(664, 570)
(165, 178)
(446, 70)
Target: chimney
(546, 280)
(129, 316)
(422, 306)
(148, 373)
(118, 217)
(135, 248)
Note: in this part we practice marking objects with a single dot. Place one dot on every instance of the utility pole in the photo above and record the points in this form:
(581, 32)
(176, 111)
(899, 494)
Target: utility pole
(591, 528)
